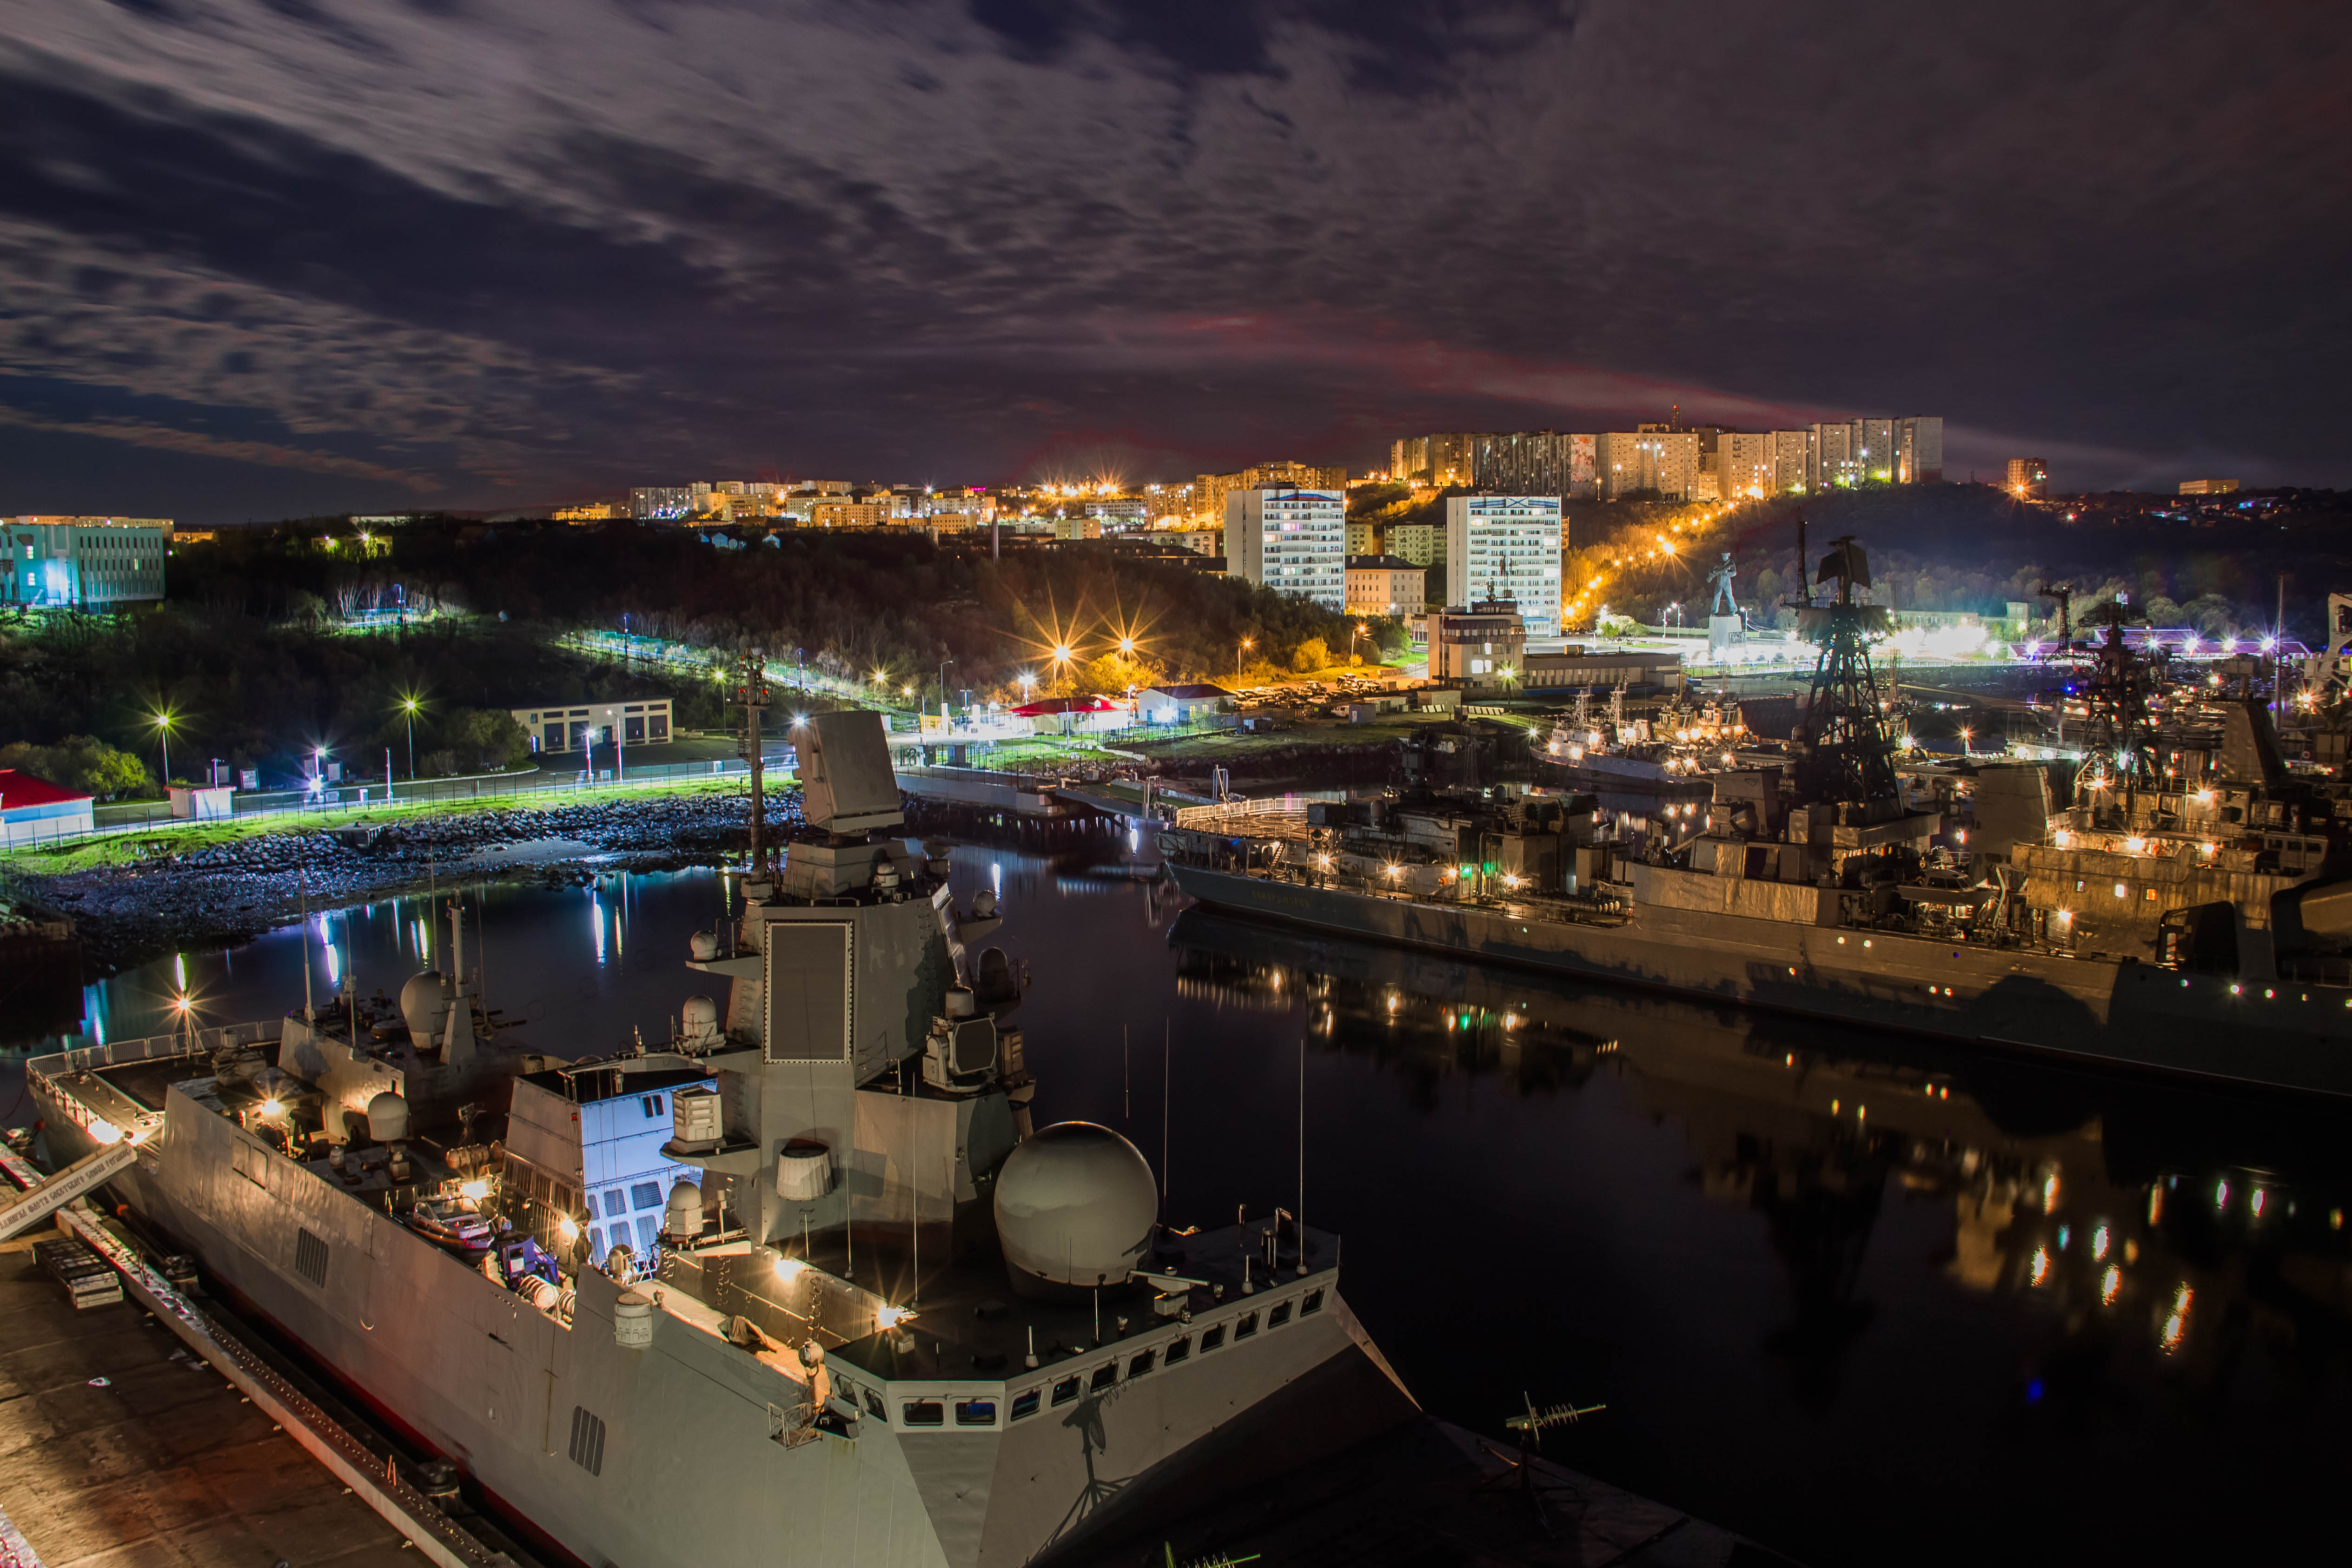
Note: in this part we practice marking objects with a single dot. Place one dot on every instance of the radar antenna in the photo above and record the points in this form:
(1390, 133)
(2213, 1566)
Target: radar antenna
(1843, 751)
(2119, 745)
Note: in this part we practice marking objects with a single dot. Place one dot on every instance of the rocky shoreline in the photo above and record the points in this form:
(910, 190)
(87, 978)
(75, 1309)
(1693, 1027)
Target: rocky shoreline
(230, 893)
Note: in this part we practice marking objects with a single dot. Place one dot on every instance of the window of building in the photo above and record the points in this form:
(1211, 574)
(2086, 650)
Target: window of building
(616, 1203)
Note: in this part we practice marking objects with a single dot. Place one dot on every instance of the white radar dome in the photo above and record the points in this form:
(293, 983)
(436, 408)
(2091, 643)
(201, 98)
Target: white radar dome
(699, 1018)
(387, 1118)
(424, 1005)
(1075, 1209)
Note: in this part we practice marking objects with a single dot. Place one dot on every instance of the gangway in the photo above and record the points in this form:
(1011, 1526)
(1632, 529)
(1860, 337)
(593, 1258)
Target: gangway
(20, 1211)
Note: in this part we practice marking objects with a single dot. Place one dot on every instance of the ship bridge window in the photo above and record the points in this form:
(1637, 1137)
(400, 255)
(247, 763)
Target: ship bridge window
(874, 1406)
(1065, 1391)
(1279, 1316)
(1140, 1364)
(647, 1194)
(1105, 1376)
(1311, 1305)
(1178, 1349)
(616, 1203)
(924, 1413)
(975, 1411)
(1246, 1327)
(1213, 1338)
(1025, 1403)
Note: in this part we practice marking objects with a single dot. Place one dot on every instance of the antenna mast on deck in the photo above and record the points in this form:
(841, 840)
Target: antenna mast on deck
(2119, 740)
(751, 695)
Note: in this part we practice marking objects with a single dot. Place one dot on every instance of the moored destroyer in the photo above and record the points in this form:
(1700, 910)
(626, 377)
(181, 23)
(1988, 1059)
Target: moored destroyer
(801, 1286)
(2189, 920)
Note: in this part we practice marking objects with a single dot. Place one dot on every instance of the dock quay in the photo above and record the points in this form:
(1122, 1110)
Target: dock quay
(160, 1429)
(1035, 808)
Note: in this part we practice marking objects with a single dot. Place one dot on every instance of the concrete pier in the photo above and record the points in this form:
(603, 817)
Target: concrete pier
(119, 1449)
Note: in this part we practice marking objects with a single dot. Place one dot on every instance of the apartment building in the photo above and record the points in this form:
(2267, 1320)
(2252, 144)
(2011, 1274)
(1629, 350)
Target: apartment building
(1652, 459)
(1415, 542)
(1384, 585)
(1291, 541)
(1506, 547)
(1210, 490)
(1744, 464)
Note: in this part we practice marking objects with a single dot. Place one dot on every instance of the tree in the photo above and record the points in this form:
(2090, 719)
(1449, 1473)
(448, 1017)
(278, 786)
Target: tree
(488, 738)
(1313, 654)
(79, 762)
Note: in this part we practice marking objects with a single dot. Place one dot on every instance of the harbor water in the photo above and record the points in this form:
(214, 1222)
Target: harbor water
(1862, 1299)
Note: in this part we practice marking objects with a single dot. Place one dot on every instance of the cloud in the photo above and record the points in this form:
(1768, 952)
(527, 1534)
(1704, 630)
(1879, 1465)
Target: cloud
(531, 241)
(267, 454)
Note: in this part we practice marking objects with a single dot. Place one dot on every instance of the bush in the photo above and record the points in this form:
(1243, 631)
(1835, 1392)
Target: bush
(438, 764)
(1313, 655)
(79, 762)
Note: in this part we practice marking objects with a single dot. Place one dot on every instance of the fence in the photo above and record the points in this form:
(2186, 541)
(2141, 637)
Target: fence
(536, 786)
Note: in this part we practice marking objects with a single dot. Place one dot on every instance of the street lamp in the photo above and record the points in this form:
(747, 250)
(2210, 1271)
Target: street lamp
(1247, 644)
(943, 686)
(163, 736)
(408, 708)
(1361, 629)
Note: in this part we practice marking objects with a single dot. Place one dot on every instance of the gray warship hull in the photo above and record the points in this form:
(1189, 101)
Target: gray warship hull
(667, 1454)
(2102, 1012)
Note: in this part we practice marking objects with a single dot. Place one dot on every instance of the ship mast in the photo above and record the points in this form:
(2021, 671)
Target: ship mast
(750, 694)
(1843, 753)
(2119, 742)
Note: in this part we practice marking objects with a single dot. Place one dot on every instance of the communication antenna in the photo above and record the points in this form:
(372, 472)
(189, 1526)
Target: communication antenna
(1532, 1425)
(1298, 1216)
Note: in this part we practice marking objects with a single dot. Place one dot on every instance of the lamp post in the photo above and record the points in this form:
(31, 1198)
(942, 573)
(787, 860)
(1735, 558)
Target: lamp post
(408, 708)
(1247, 644)
(164, 738)
(1361, 629)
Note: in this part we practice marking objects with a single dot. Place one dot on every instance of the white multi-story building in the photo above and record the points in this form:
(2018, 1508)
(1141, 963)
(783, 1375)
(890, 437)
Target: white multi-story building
(1919, 450)
(1293, 541)
(83, 563)
(1384, 585)
(1665, 460)
(1506, 547)
(1832, 463)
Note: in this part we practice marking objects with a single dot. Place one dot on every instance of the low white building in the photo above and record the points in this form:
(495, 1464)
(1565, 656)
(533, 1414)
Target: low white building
(33, 810)
(561, 729)
(1179, 704)
(83, 563)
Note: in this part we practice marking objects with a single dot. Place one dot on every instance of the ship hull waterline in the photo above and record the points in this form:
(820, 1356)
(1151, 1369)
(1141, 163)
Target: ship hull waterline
(2094, 1012)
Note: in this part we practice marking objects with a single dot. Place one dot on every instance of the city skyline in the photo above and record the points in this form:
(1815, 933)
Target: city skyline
(269, 260)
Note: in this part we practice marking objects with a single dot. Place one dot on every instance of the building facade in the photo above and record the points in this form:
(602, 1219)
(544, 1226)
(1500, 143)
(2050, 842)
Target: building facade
(84, 563)
(1919, 450)
(2029, 477)
(1745, 466)
(1384, 585)
(1792, 451)
(1293, 541)
(1415, 542)
(661, 503)
(1210, 490)
(1833, 465)
(1656, 459)
(1502, 548)
(1478, 645)
(561, 729)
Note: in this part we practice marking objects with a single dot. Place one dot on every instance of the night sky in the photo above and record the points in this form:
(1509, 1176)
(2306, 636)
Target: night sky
(272, 257)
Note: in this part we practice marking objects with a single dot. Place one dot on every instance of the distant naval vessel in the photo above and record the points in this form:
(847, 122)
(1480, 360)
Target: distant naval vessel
(802, 1287)
(2190, 912)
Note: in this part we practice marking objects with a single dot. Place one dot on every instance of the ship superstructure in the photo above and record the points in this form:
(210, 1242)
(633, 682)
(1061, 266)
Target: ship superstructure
(800, 1286)
(2187, 912)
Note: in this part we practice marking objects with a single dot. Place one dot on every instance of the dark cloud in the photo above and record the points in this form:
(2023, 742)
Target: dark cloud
(526, 248)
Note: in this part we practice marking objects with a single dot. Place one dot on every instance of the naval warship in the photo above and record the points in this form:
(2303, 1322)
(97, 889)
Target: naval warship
(863, 1313)
(2188, 914)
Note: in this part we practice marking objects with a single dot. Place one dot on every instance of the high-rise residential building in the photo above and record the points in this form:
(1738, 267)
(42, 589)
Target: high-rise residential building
(1408, 458)
(1505, 547)
(1919, 450)
(1522, 463)
(83, 563)
(1791, 461)
(1833, 463)
(1581, 484)
(1873, 450)
(661, 503)
(1658, 460)
(1363, 538)
(2029, 477)
(1210, 490)
(1745, 465)
(1294, 541)
(1452, 457)
(1384, 585)
(1415, 542)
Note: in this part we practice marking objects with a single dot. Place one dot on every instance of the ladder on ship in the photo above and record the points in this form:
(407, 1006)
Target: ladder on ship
(20, 1211)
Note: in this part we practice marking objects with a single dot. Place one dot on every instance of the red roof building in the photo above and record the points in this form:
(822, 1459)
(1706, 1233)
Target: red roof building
(34, 809)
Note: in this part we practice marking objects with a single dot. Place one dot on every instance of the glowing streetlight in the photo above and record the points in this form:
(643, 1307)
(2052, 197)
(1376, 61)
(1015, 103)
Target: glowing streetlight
(1247, 644)
(163, 722)
(408, 710)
